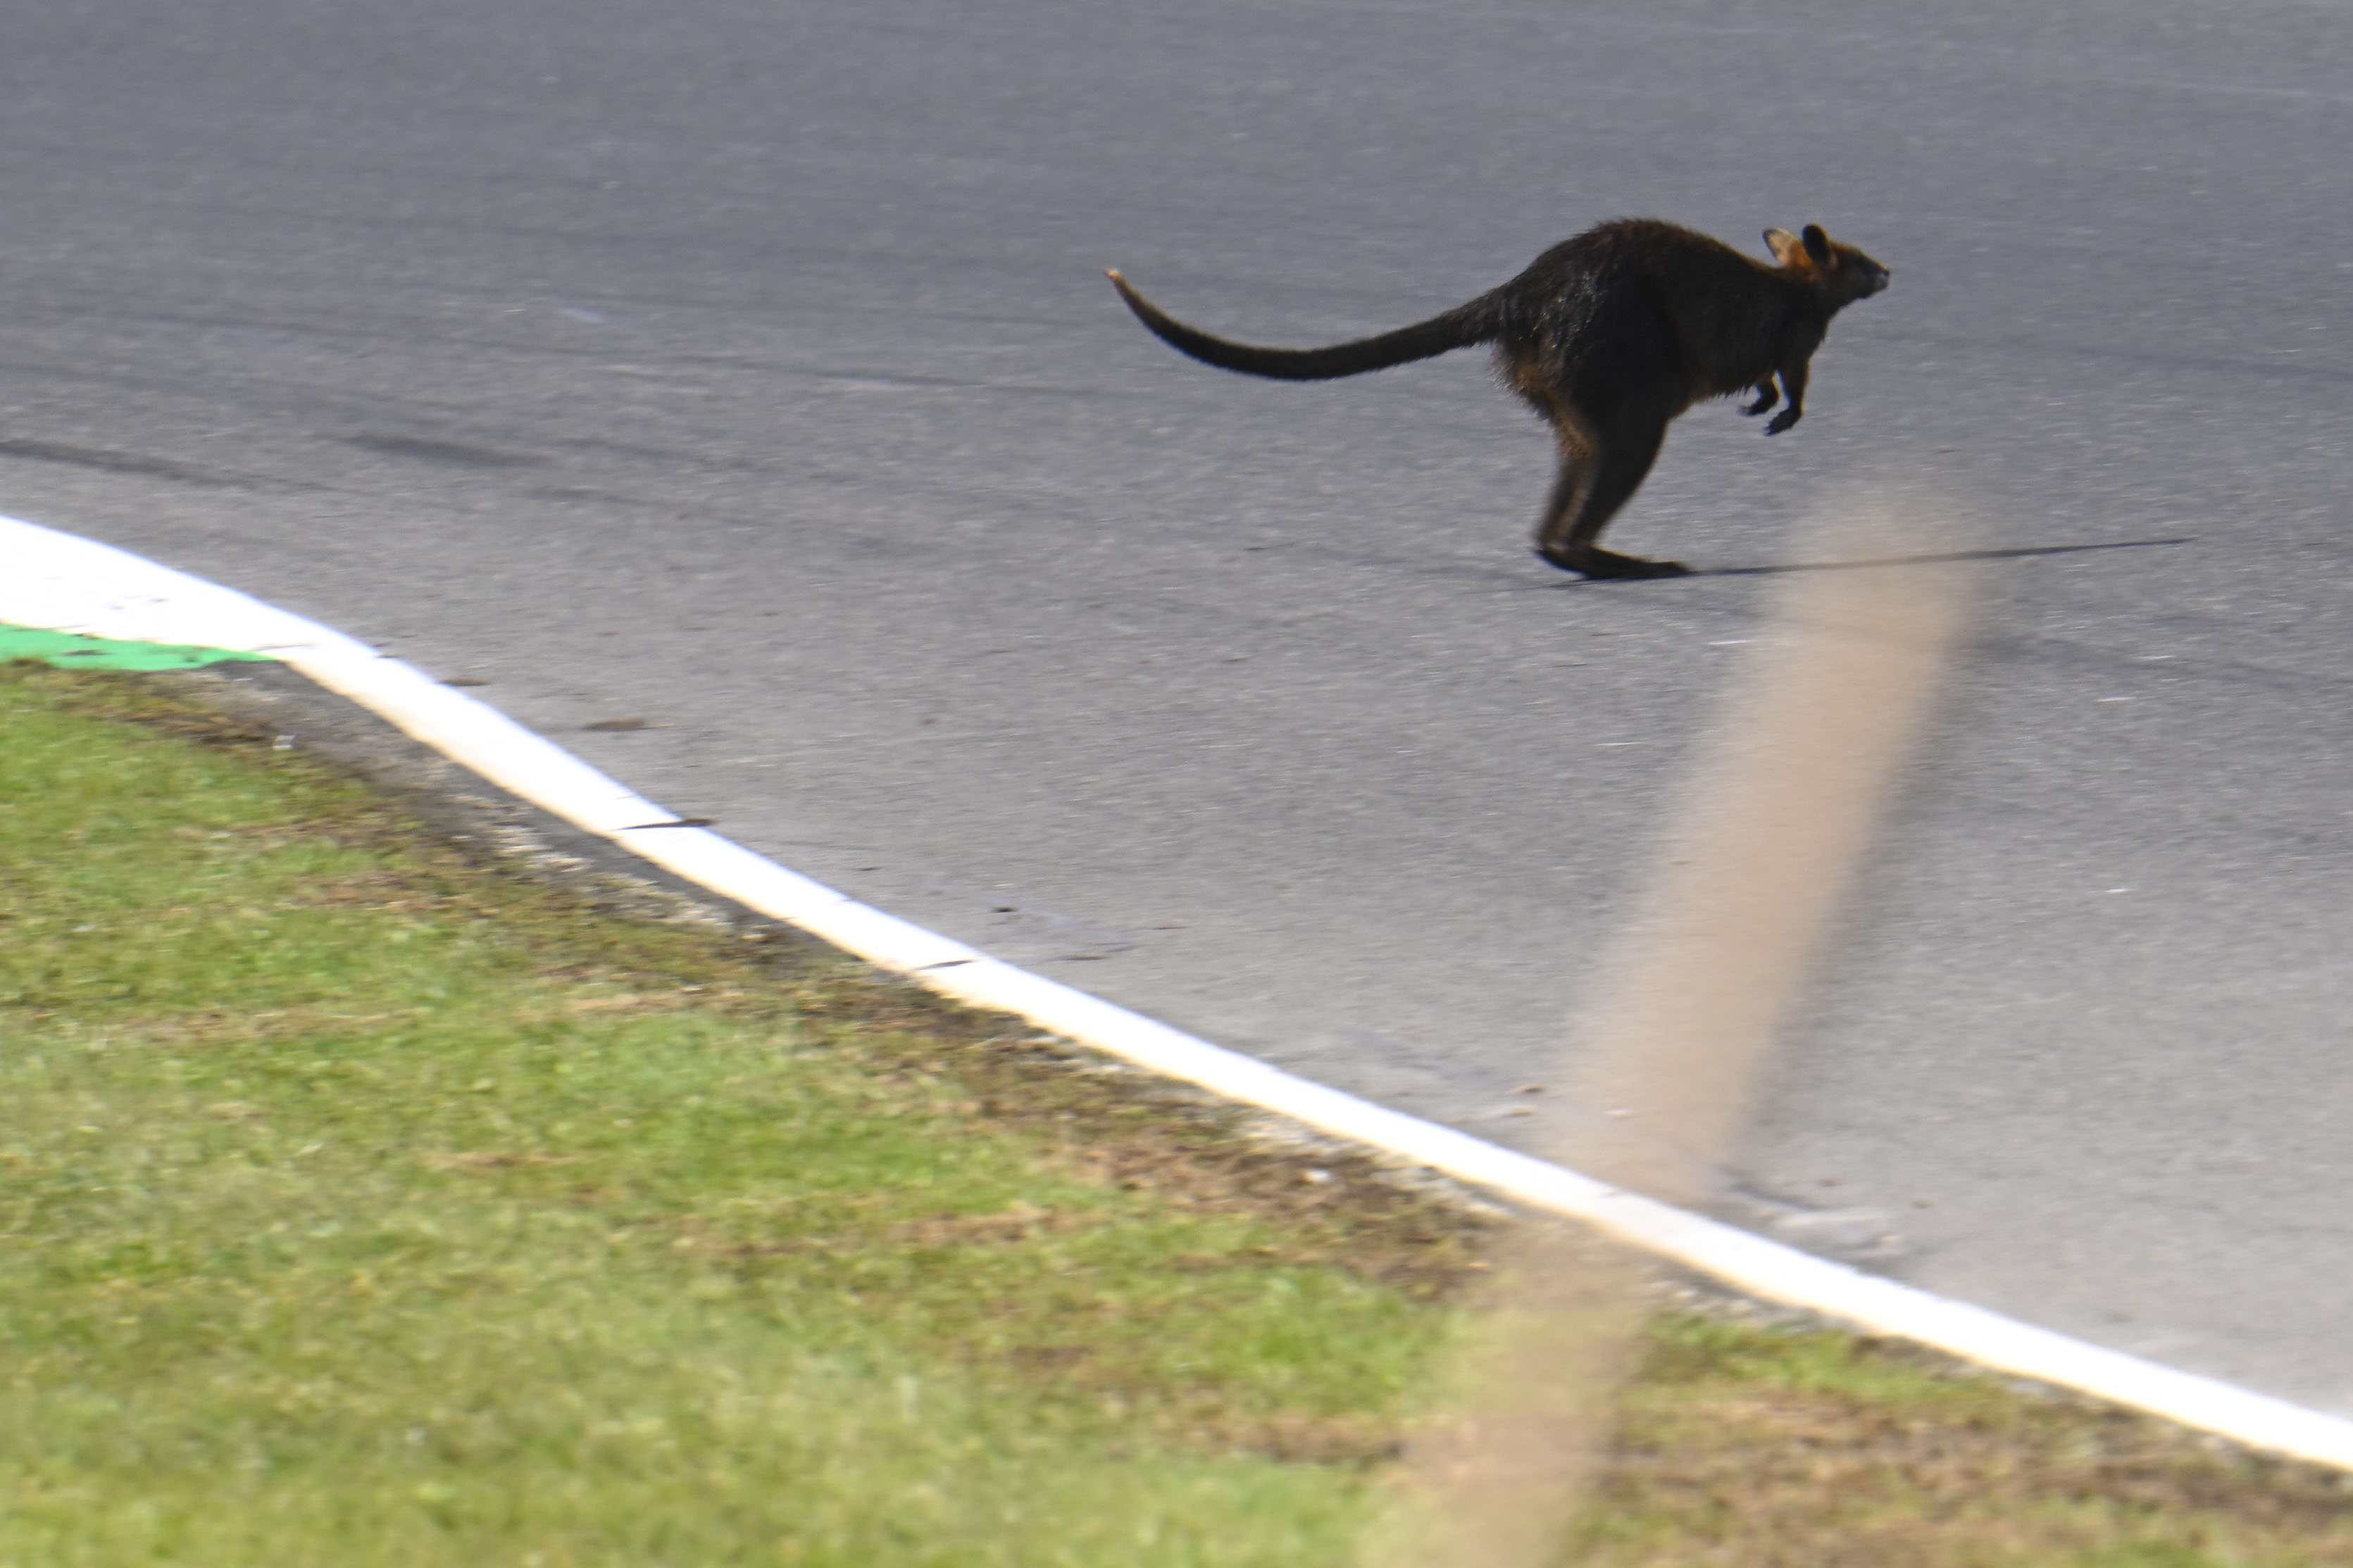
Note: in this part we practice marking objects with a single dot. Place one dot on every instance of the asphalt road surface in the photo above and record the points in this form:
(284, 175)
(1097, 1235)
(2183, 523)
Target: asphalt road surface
(747, 369)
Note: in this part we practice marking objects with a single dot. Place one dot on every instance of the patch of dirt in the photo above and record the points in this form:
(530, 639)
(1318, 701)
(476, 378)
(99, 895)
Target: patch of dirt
(485, 1159)
(1023, 1222)
(1307, 1439)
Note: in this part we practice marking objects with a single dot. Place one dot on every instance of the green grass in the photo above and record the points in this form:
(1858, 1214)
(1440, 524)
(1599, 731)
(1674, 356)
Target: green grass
(359, 1209)
(361, 1204)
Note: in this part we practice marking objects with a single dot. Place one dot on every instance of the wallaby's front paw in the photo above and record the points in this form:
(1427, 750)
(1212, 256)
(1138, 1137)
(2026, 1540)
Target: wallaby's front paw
(1783, 420)
(1767, 396)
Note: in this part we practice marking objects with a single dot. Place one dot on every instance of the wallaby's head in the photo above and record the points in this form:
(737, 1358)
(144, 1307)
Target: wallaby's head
(1840, 271)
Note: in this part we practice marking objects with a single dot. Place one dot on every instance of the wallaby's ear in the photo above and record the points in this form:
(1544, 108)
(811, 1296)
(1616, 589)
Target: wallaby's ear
(1818, 245)
(1782, 243)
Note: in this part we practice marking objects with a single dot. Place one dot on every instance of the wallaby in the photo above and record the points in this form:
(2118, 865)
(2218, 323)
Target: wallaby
(1608, 335)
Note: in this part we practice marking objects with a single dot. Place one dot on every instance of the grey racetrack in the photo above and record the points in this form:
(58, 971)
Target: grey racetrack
(747, 369)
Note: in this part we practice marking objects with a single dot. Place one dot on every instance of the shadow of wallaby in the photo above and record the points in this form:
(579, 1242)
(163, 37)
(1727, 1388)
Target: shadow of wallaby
(1933, 560)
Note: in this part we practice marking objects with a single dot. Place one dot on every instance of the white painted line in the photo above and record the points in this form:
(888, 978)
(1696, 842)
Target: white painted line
(59, 582)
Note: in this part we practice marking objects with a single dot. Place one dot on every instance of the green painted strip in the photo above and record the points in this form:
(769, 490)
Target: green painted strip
(67, 651)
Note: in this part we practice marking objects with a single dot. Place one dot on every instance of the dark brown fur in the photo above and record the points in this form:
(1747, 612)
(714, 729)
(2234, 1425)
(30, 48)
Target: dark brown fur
(1609, 336)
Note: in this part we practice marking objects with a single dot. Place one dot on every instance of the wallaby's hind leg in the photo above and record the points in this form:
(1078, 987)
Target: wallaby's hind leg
(1599, 470)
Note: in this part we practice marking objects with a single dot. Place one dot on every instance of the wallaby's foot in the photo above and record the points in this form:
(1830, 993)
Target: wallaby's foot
(1596, 562)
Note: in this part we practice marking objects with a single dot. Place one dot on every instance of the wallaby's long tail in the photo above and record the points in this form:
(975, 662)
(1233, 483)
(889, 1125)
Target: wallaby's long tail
(1460, 328)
